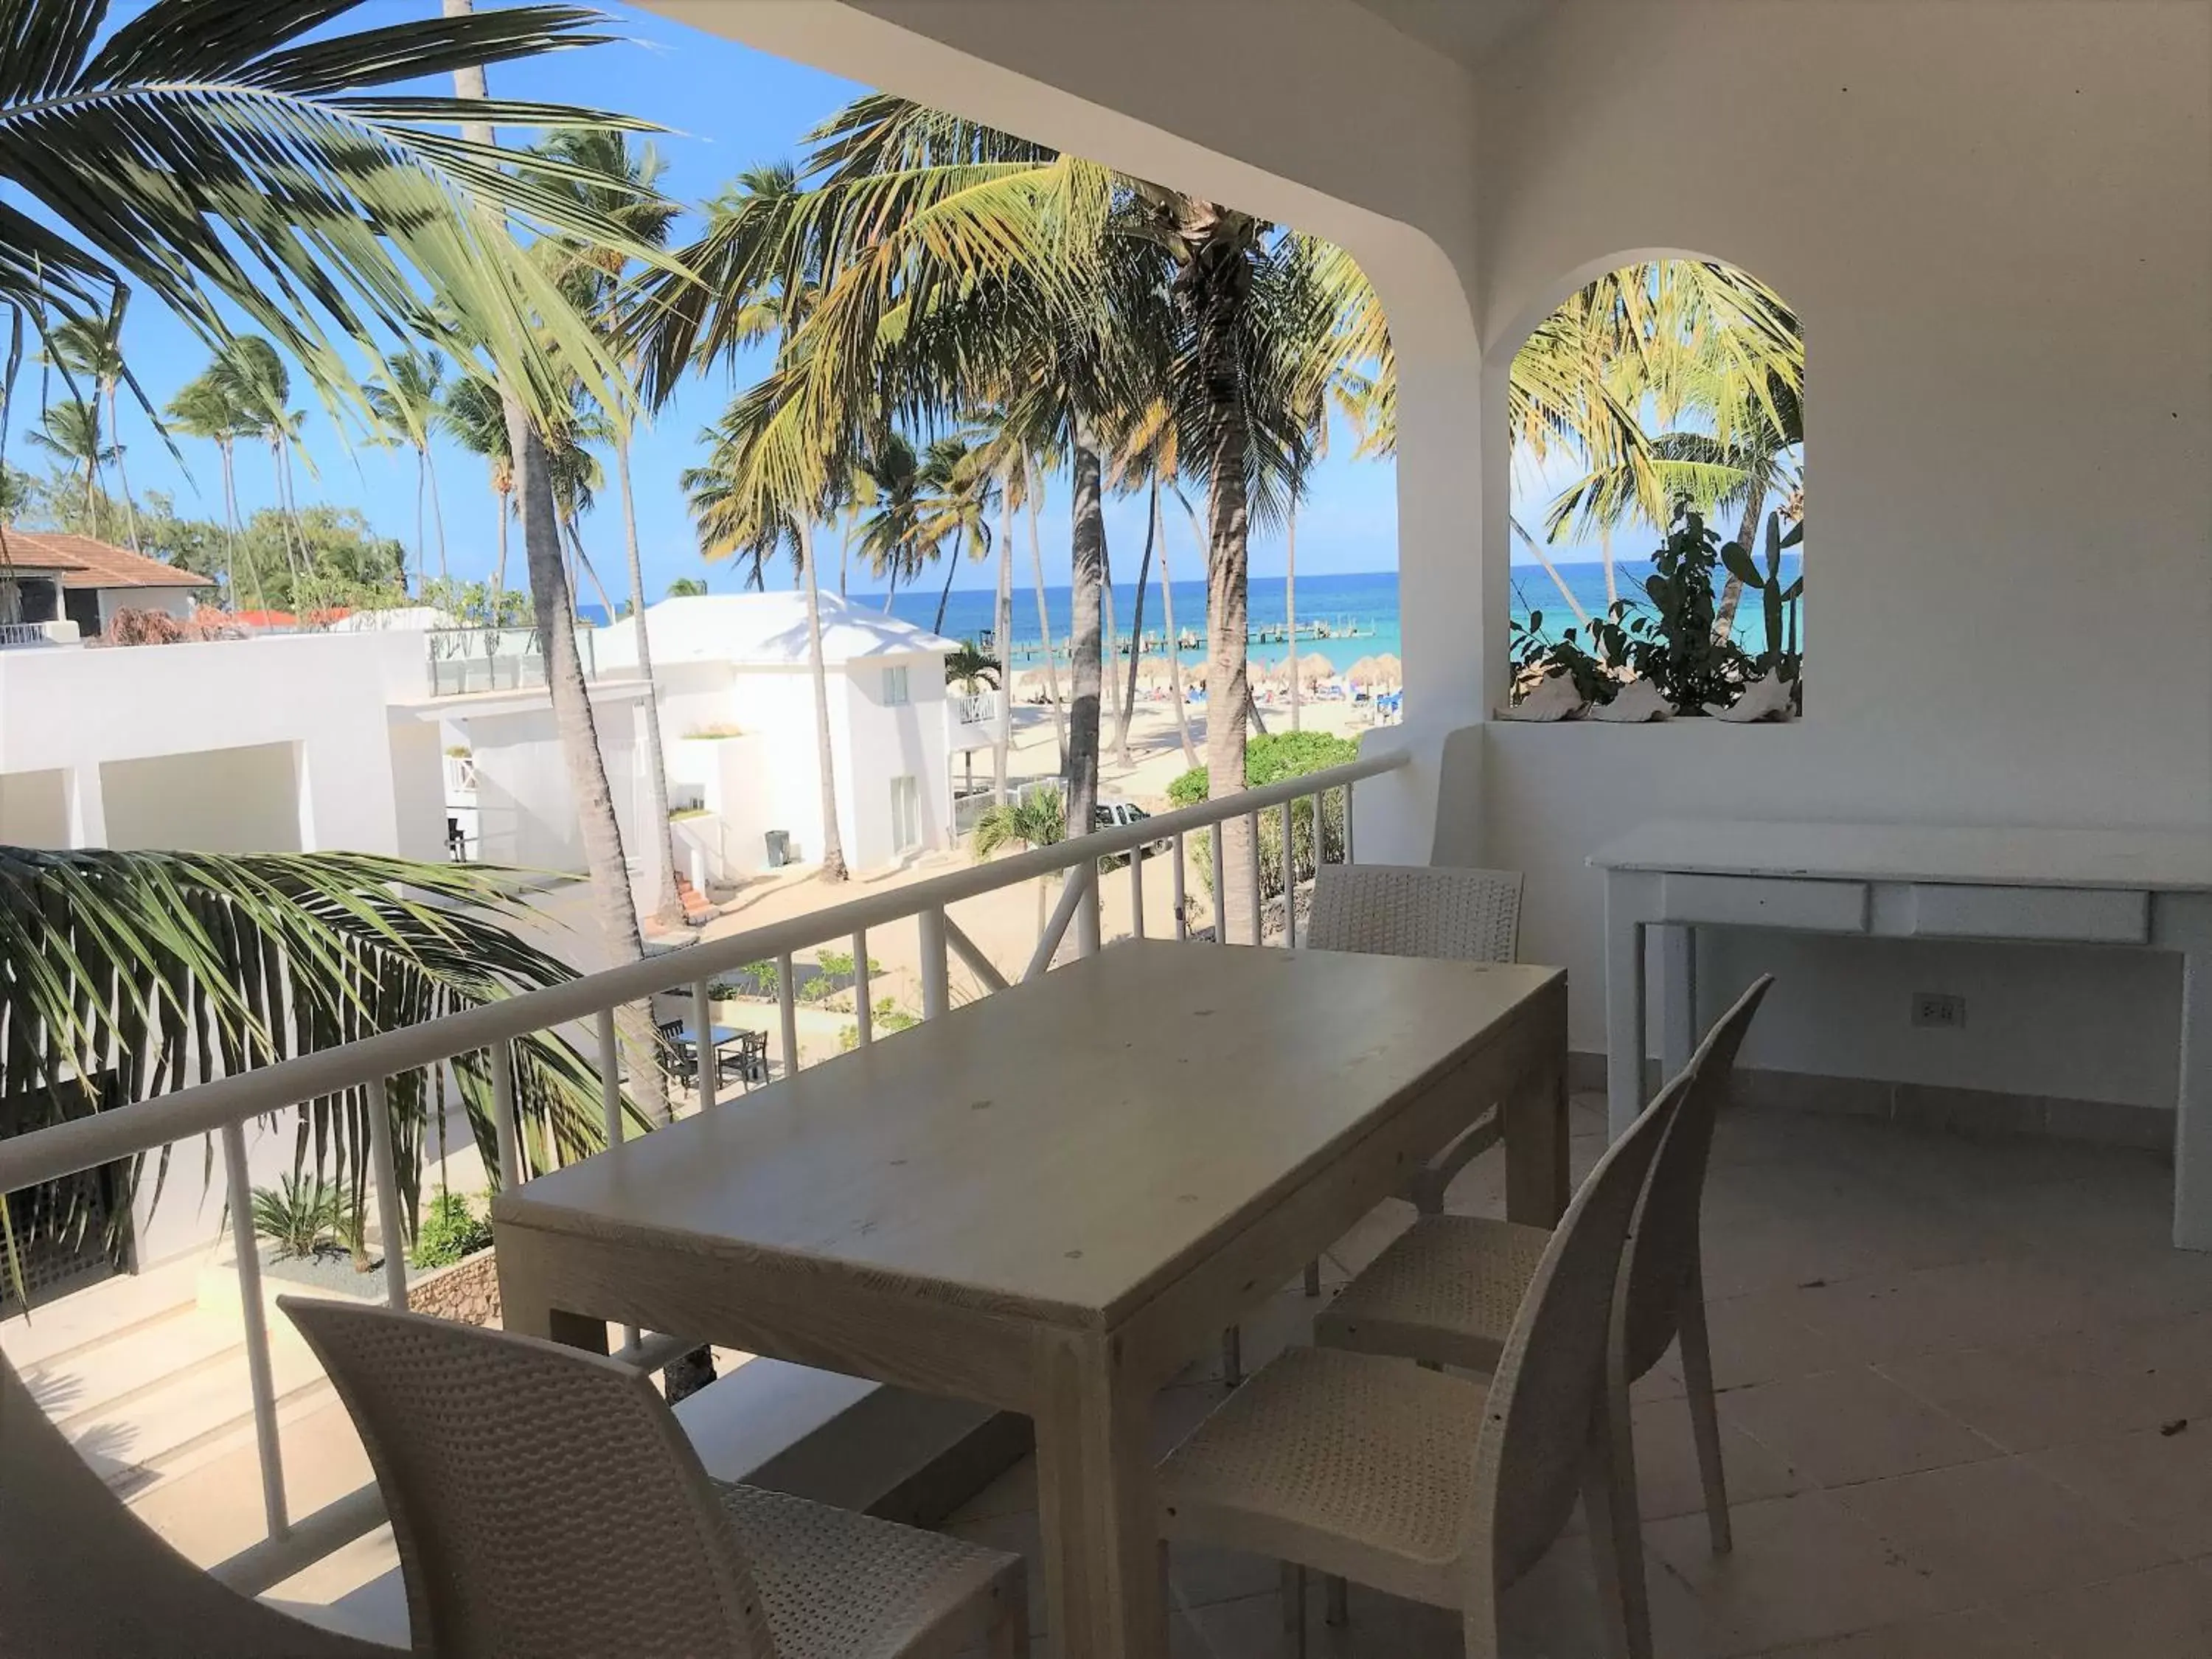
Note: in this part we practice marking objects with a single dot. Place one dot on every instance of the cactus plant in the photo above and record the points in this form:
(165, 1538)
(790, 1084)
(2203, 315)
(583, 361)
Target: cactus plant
(1774, 594)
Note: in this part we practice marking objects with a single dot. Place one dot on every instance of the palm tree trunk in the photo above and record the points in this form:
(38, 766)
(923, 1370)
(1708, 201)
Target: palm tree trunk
(1581, 616)
(1002, 622)
(591, 571)
(1087, 561)
(1228, 554)
(1605, 556)
(121, 478)
(437, 512)
(499, 570)
(555, 613)
(666, 907)
(422, 539)
(845, 555)
(1112, 658)
(1044, 632)
(833, 844)
(1290, 607)
(951, 569)
(1174, 644)
(229, 525)
(1137, 628)
(1732, 592)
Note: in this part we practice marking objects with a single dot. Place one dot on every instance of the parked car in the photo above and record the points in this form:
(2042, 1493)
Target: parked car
(1119, 814)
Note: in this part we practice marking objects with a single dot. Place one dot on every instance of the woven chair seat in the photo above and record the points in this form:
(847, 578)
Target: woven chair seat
(1355, 1465)
(837, 1584)
(1446, 1291)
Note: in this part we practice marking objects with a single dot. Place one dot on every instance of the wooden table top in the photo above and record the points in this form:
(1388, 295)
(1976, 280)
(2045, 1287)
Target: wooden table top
(1059, 1150)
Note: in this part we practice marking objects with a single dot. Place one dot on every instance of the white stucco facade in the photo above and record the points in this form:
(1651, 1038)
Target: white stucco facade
(738, 719)
(1996, 223)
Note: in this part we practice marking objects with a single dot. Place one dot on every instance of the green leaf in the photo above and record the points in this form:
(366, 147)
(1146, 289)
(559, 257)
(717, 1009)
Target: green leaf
(1740, 565)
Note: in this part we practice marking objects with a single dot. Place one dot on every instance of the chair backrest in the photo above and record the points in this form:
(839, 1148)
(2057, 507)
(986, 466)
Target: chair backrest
(83, 1578)
(1416, 910)
(1530, 1455)
(1666, 1265)
(544, 1501)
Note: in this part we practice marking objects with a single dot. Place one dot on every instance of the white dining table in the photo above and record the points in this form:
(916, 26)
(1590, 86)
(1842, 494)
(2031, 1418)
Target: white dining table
(2147, 889)
(1049, 1200)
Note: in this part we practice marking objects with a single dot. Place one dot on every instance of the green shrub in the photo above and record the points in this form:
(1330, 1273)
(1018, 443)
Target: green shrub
(887, 1017)
(451, 1229)
(1270, 759)
(816, 988)
(300, 1216)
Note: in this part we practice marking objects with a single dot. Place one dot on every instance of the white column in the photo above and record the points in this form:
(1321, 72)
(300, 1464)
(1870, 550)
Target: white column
(1628, 894)
(2182, 922)
(87, 807)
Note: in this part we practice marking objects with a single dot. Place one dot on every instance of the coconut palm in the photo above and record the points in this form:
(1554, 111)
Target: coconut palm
(888, 492)
(408, 401)
(254, 377)
(70, 431)
(92, 347)
(958, 494)
(687, 587)
(204, 409)
(763, 487)
(182, 967)
(971, 668)
(474, 416)
(1039, 819)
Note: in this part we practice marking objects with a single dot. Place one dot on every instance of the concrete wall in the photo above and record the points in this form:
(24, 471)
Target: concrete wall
(34, 809)
(1995, 221)
(179, 602)
(326, 695)
(884, 742)
(213, 800)
(418, 788)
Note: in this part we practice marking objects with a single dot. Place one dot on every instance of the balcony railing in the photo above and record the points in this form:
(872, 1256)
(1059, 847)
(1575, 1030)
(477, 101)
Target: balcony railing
(465, 661)
(977, 709)
(18, 634)
(224, 1107)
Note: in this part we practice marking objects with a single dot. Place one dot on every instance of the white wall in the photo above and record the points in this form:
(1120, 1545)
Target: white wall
(883, 742)
(180, 602)
(418, 788)
(1995, 221)
(326, 694)
(213, 800)
(34, 809)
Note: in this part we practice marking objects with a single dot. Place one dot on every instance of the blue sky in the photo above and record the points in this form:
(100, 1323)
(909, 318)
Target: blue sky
(727, 107)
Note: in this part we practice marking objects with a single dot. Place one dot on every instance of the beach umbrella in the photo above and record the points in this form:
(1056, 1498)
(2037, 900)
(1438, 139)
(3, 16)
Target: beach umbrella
(1388, 669)
(1314, 669)
(1362, 672)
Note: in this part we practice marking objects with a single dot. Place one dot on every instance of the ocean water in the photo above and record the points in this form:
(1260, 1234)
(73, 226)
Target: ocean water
(1360, 608)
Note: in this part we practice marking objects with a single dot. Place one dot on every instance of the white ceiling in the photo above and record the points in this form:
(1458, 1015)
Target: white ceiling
(1468, 30)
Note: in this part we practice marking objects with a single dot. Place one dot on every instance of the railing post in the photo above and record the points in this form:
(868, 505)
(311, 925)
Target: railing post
(936, 975)
(710, 1065)
(506, 1134)
(385, 1164)
(1347, 821)
(610, 1077)
(1220, 884)
(864, 1013)
(1137, 892)
(1259, 896)
(1182, 899)
(1086, 909)
(787, 996)
(263, 1380)
(1291, 875)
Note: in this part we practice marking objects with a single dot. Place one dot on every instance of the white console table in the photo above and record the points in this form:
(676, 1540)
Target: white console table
(2151, 890)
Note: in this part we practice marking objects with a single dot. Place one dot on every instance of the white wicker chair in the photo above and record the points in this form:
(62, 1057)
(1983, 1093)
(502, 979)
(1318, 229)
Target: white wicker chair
(1438, 1488)
(83, 1578)
(546, 1504)
(1446, 1293)
(1410, 910)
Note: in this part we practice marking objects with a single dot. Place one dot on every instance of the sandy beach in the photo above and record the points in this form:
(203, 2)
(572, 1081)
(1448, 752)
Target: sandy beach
(1004, 924)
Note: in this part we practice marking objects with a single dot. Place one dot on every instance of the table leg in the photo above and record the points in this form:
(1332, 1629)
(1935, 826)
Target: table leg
(1625, 910)
(1536, 1130)
(1095, 1504)
(2182, 922)
(1677, 997)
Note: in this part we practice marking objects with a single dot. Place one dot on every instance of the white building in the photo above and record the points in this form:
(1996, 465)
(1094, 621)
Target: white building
(738, 717)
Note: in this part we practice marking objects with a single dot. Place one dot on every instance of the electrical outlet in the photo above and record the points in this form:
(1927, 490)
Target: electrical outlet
(1939, 1009)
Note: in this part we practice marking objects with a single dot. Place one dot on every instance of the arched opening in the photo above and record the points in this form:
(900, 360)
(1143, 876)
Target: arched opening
(1656, 512)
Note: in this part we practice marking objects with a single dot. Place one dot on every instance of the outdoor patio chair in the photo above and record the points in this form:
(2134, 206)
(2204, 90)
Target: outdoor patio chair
(682, 1055)
(1441, 1489)
(1410, 910)
(546, 1504)
(1448, 1289)
(83, 1578)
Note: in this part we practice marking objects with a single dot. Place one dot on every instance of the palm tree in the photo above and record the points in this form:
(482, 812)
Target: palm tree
(92, 347)
(474, 414)
(265, 957)
(71, 432)
(408, 401)
(594, 277)
(970, 667)
(687, 587)
(888, 489)
(1038, 819)
(958, 493)
(254, 378)
(763, 487)
(204, 409)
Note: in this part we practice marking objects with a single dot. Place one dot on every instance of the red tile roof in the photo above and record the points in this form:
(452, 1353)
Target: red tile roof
(84, 562)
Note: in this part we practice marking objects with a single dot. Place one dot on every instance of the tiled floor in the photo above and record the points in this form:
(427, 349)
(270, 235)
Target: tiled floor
(1967, 1412)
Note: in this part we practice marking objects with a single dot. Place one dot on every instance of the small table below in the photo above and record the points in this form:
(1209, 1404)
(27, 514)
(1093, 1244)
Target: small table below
(1050, 1200)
